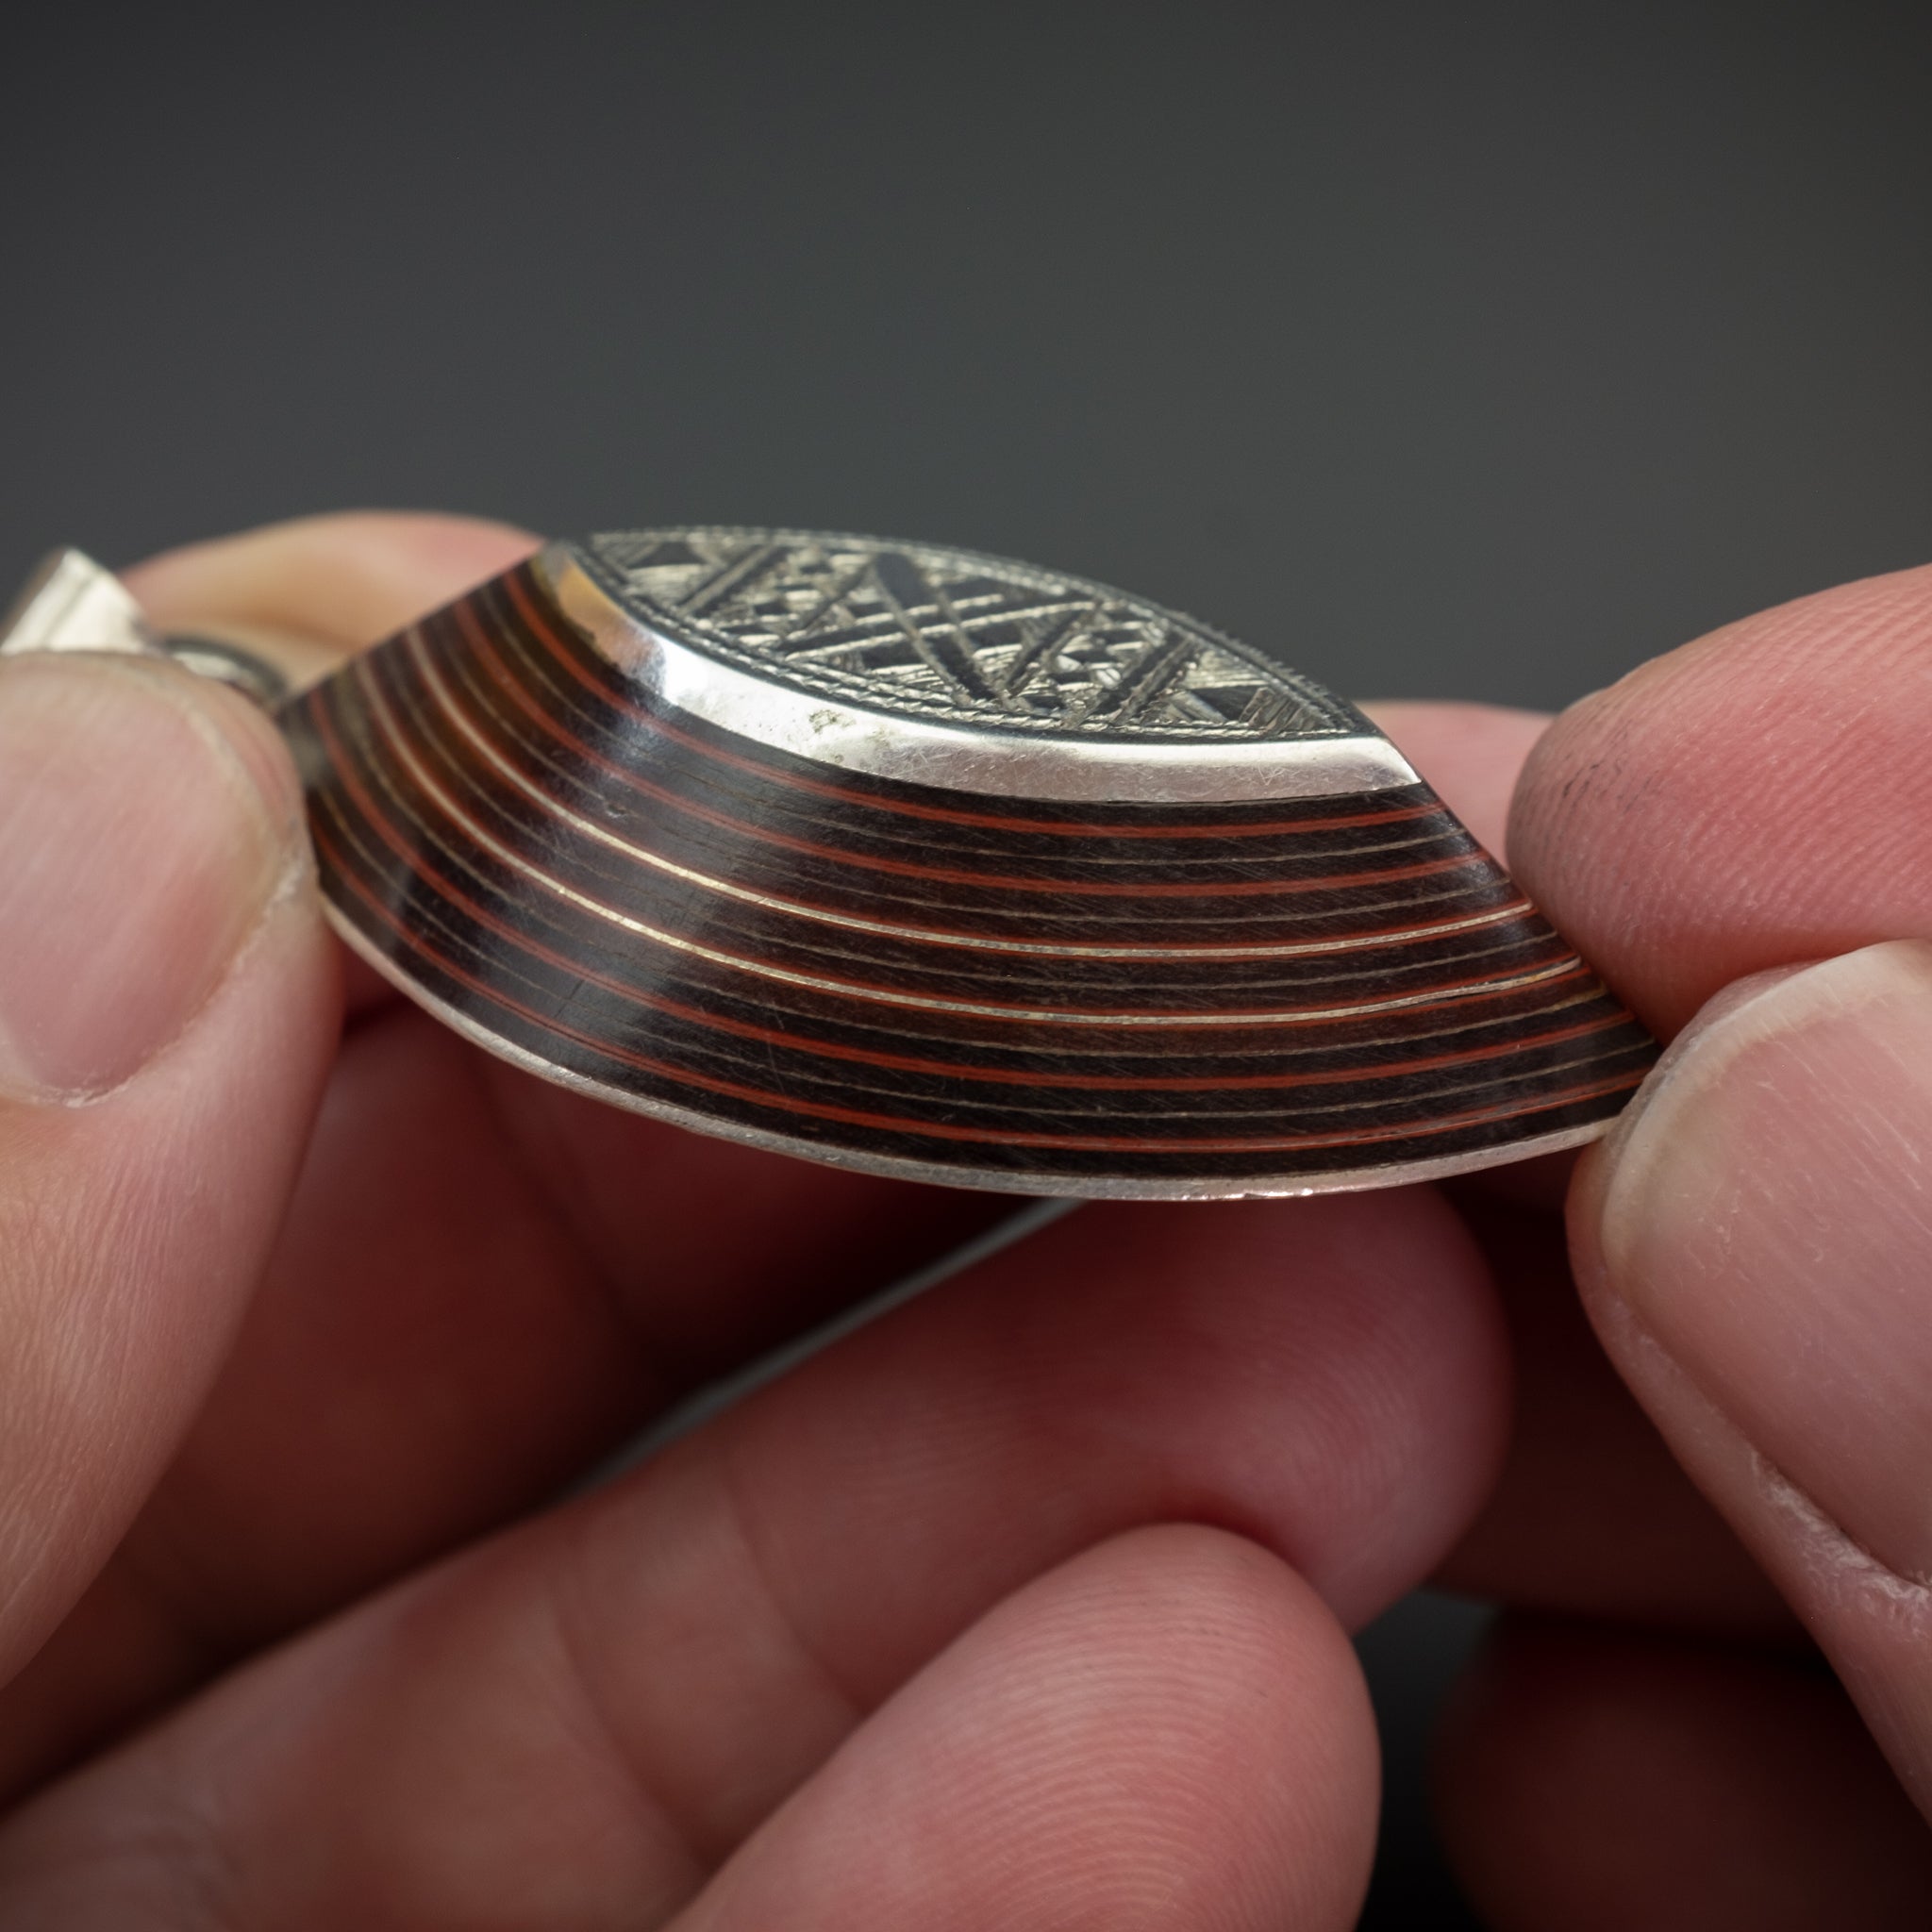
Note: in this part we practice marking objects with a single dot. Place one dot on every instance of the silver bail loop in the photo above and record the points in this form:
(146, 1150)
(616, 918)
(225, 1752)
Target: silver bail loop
(72, 604)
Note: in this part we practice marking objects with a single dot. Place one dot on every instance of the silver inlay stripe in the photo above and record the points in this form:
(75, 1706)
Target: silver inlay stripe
(387, 723)
(603, 835)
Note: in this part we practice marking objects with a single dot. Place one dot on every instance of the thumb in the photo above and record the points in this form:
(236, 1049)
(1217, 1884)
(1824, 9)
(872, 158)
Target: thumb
(167, 1011)
(1756, 1246)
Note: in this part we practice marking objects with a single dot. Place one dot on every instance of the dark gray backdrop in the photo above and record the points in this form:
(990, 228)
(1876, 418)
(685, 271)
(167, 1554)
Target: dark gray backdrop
(1457, 351)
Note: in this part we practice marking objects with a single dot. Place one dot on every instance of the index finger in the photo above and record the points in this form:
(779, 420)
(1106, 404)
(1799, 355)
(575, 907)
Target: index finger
(1759, 798)
(1752, 1241)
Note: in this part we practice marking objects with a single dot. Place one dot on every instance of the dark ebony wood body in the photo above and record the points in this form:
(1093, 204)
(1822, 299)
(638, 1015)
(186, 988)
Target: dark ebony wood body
(1073, 997)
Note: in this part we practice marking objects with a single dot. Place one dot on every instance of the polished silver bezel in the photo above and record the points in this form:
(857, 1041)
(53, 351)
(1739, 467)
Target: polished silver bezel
(885, 745)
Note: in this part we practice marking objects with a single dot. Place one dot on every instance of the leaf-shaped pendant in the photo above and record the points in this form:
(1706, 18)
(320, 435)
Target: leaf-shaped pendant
(936, 864)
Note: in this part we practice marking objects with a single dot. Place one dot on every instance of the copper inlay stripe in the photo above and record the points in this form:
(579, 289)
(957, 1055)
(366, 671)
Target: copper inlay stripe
(1125, 889)
(573, 749)
(431, 743)
(410, 852)
(941, 1130)
(642, 855)
(454, 894)
(1570, 966)
(408, 857)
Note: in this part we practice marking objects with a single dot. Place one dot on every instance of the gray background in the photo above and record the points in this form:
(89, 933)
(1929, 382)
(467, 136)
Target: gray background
(1457, 351)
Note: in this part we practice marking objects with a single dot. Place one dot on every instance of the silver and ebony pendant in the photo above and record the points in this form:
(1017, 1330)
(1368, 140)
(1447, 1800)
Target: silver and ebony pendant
(934, 864)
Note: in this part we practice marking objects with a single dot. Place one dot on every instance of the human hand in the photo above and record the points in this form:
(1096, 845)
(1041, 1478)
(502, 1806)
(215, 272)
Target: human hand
(1025, 1605)
(1649, 1740)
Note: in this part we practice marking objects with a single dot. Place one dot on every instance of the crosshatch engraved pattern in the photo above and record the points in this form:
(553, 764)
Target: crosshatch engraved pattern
(1053, 997)
(956, 637)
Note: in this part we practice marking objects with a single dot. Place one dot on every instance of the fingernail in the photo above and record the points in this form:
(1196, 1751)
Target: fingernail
(144, 825)
(1767, 1218)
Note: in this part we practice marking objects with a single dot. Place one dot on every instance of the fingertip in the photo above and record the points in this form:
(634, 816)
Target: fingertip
(146, 820)
(134, 1230)
(1754, 799)
(167, 1004)
(1330, 1375)
(1753, 1249)
(1758, 1216)
(1168, 1731)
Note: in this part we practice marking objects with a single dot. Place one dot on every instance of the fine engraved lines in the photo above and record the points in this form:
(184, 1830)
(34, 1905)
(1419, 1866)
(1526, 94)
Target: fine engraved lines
(922, 629)
(1411, 897)
(1066, 889)
(552, 804)
(847, 724)
(665, 680)
(396, 743)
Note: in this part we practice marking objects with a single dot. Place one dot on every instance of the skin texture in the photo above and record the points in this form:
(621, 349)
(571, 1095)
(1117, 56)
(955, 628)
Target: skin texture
(1027, 1603)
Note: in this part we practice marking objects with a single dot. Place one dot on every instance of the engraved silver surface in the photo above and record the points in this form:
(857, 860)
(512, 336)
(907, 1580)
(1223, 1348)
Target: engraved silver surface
(949, 668)
(922, 630)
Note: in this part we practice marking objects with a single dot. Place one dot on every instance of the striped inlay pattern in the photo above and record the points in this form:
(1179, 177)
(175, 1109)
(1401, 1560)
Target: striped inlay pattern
(1046, 996)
